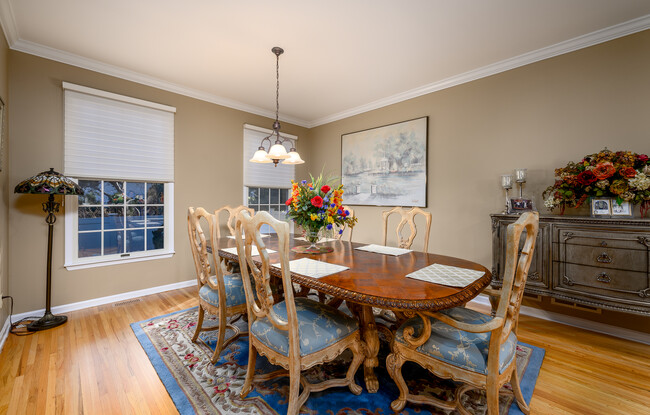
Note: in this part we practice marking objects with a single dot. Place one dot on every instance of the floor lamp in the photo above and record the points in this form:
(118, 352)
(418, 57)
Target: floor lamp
(50, 183)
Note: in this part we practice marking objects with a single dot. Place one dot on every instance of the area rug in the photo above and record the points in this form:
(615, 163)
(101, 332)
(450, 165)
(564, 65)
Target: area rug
(198, 387)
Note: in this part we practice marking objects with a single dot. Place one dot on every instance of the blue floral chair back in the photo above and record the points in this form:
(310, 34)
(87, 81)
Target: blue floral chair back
(293, 332)
(476, 349)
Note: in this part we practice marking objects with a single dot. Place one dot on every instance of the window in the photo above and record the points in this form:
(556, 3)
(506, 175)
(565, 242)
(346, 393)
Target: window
(120, 150)
(266, 187)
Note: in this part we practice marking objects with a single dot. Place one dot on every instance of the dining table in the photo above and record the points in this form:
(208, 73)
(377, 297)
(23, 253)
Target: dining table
(375, 280)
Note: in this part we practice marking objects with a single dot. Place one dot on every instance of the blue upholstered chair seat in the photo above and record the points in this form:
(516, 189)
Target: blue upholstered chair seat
(319, 326)
(234, 291)
(458, 347)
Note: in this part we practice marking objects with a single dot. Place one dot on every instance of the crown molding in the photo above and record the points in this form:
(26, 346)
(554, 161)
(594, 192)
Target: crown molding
(580, 42)
(106, 69)
(8, 22)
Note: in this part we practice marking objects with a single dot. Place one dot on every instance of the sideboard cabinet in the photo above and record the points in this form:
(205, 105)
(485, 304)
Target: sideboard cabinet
(597, 262)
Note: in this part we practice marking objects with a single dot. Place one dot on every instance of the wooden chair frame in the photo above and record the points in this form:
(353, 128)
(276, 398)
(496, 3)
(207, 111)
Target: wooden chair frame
(339, 236)
(206, 268)
(504, 321)
(408, 217)
(232, 217)
(260, 306)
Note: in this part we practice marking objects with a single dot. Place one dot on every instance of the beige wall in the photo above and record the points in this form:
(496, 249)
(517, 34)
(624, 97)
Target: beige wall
(4, 186)
(538, 117)
(208, 166)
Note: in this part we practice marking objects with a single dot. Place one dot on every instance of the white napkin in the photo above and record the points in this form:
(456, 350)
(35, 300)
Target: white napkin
(263, 235)
(254, 251)
(302, 238)
(313, 268)
(446, 275)
(381, 249)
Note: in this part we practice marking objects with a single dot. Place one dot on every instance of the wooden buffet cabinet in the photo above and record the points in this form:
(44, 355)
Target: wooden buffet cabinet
(597, 262)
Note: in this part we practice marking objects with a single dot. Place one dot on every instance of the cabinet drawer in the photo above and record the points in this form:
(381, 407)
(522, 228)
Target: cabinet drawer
(604, 239)
(624, 259)
(609, 282)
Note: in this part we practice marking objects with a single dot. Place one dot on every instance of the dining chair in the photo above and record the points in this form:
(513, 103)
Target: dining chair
(232, 216)
(408, 217)
(467, 346)
(295, 333)
(339, 235)
(220, 294)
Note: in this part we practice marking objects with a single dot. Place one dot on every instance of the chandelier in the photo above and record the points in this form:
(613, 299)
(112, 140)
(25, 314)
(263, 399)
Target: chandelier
(277, 151)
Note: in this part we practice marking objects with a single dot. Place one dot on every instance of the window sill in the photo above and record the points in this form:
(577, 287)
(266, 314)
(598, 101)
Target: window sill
(116, 261)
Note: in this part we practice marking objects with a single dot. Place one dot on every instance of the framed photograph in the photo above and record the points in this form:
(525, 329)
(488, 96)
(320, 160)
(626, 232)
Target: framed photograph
(386, 166)
(624, 209)
(519, 205)
(601, 207)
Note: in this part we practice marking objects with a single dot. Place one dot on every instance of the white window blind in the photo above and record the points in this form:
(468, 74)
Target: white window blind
(264, 175)
(111, 136)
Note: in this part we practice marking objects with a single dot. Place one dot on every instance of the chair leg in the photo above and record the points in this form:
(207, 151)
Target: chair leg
(294, 390)
(492, 398)
(516, 389)
(221, 335)
(199, 324)
(250, 371)
(394, 363)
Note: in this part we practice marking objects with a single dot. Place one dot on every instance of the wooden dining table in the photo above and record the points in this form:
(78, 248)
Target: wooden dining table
(379, 281)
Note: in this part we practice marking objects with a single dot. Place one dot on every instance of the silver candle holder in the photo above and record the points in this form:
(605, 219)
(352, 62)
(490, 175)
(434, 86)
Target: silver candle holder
(506, 183)
(520, 178)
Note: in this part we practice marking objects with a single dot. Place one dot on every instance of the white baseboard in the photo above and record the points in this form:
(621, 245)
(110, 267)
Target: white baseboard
(97, 302)
(620, 332)
(4, 333)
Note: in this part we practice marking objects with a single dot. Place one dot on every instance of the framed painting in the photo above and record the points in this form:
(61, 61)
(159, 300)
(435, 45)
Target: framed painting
(386, 166)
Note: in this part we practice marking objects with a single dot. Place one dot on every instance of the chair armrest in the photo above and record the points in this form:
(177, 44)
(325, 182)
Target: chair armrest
(491, 325)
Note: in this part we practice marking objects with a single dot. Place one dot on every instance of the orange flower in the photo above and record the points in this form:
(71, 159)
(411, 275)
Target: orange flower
(604, 170)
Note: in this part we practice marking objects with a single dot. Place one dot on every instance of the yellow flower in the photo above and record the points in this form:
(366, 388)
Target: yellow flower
(330, 219)
(314, 217)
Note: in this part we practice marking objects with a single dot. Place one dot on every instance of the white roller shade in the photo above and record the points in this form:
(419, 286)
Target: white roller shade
(110, 136)
(264, 175)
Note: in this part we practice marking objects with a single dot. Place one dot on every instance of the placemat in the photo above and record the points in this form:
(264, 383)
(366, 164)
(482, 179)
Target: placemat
(302, 238)
(386, 250)
(263, 235)
(254, 251)
(313, 268)
(446, 275)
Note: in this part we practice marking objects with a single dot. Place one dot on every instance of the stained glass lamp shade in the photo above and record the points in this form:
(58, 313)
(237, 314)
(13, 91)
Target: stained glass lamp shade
(50, 183)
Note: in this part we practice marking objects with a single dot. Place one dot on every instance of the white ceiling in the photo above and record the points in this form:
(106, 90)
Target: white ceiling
(342, 57)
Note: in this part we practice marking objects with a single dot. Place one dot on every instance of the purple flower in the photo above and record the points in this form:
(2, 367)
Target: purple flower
(340, 231)
(347, 212)
(304, 182)
(329, 226)
(333, 205)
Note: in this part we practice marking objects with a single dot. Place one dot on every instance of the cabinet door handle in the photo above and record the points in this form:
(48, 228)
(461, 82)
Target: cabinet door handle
(604, 258)
(603, 277)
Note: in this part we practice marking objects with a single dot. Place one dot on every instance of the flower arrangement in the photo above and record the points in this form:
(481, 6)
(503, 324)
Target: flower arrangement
(622, 175)
(315, 205)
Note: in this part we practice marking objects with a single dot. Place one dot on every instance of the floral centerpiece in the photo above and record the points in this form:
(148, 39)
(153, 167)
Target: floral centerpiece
(622, 175)
(316, 206)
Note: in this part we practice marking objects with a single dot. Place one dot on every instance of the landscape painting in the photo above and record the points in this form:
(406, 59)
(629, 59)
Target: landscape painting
(386, 166)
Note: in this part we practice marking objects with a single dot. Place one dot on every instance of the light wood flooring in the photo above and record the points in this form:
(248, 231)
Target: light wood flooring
(94, 365)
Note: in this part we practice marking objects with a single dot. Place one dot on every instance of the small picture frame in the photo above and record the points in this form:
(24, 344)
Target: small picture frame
(624, 209)
(519, 205)
(601, 207)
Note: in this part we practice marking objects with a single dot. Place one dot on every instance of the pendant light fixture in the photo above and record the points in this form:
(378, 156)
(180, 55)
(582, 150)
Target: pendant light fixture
(277, 151)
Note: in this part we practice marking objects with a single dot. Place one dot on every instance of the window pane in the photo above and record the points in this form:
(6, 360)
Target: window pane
(134, 193)
(135, 240)
(114, 217)
(92, 192)
(113, 193)
(284, 195)
(90, 218)
(264, 195)
(253, 196)
(264, 208)
(155, 239)
(155, 193)
(135, 217)
(155, 216)
(275, 196)
(113, 242)
(90, 244)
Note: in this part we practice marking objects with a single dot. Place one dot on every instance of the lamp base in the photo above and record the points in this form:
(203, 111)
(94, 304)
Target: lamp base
(48, 321)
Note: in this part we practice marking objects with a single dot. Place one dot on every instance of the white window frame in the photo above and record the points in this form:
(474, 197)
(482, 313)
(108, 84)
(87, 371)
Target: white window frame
(163, 173)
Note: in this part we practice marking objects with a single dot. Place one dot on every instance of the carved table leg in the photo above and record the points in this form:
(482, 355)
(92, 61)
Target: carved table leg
(371, 337)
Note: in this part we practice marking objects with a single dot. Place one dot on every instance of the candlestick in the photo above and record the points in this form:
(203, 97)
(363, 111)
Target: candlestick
(506, 183)
(520, 175)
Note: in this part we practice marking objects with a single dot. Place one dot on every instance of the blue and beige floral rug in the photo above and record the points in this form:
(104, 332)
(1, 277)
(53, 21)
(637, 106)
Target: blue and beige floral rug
(197, 386)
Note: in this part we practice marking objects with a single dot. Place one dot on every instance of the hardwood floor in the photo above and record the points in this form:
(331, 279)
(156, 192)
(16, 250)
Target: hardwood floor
(94, 365)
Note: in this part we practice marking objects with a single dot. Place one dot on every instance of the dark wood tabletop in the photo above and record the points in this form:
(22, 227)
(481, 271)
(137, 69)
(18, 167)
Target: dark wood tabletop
(379, 280)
